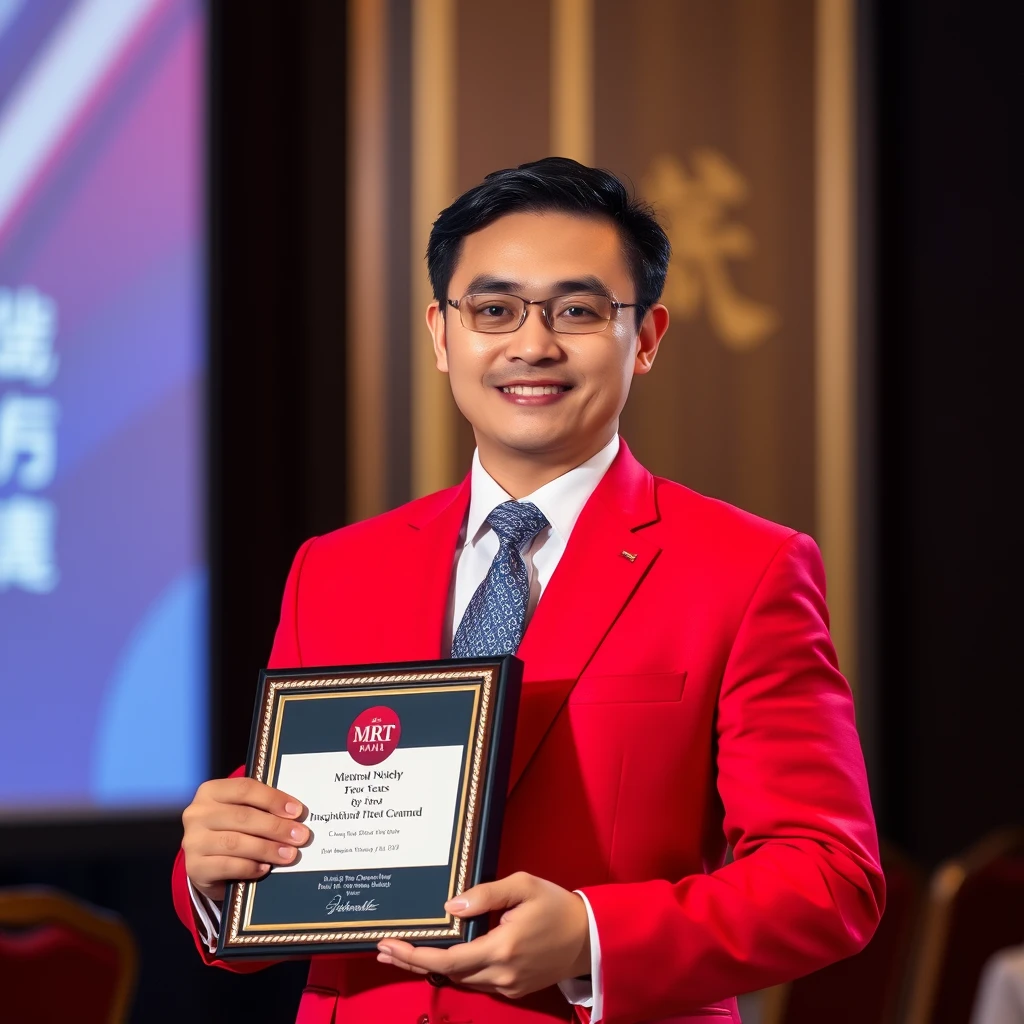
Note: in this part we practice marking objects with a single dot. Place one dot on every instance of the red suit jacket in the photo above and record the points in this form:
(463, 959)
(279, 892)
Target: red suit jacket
(681, 696)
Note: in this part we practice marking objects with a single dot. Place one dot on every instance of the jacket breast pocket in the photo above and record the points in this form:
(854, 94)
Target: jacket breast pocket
(641, 688)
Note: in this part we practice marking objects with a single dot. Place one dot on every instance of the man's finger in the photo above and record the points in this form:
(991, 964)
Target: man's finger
(488, 979)
(238, 845)
(500, 895)
(253, 822)
(385, 959)
(464, 959)
(251, 793)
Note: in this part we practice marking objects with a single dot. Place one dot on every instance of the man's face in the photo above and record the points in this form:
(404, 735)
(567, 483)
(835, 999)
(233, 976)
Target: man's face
(586, 377)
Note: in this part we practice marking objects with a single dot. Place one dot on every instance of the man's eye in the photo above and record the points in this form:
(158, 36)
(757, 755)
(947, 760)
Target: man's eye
(578, 312)
(493, 310)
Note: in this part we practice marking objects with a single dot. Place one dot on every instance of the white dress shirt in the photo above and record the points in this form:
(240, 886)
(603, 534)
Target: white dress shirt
(561, 500)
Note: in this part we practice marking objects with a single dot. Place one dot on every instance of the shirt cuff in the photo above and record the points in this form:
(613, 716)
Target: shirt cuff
(207, 916)
(582, 991)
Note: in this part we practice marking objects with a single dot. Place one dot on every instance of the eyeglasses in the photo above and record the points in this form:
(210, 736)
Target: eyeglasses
(497, 313)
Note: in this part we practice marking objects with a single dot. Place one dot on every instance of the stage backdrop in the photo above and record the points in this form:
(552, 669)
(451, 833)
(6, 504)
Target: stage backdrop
(103, 645)
(736, 120)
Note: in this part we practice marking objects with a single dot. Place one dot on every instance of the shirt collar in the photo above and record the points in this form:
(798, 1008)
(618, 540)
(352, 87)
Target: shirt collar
(561, 500)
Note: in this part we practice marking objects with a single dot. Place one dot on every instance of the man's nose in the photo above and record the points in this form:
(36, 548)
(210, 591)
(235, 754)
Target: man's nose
(534, 342)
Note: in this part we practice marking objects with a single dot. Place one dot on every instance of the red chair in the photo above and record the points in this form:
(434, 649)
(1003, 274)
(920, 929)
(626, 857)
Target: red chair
(975, 908)
(865, 988)
(62, 959)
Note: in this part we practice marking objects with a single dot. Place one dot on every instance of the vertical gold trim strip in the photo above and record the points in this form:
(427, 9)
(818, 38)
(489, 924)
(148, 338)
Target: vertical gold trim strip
(835, 369)
(433, 187)
(366, 256)
(572, 79)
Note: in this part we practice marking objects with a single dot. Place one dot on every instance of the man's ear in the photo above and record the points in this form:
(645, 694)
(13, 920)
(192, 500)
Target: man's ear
(648, 338)
(437, 325)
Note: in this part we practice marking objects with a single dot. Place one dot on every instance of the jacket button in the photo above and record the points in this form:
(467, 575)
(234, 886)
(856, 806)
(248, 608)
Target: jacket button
(423, 1019)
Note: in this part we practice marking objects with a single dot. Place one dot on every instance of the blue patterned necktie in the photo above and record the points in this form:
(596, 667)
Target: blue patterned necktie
(495, 617)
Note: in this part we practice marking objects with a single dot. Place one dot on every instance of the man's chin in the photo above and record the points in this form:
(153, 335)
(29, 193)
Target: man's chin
(535, 445)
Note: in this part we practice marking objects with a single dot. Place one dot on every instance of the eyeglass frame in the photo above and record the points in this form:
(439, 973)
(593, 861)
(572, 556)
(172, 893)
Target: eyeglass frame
(543, 303)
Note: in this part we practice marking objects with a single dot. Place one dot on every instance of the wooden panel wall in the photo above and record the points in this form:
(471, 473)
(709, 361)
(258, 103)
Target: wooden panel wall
(735, 119)
(712, 116)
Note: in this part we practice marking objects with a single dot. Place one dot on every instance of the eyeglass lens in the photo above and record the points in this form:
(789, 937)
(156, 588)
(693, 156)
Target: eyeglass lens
(494, 313)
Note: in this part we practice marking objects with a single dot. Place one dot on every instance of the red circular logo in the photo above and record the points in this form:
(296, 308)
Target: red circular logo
(374, 735)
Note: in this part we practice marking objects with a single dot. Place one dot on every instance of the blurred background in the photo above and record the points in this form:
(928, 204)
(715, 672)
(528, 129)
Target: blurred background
(212, 224)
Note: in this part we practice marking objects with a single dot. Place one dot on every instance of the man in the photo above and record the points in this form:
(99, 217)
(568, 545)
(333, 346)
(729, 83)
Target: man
(681, 694)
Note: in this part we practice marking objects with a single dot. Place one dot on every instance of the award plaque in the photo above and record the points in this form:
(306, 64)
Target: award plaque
(403, 771)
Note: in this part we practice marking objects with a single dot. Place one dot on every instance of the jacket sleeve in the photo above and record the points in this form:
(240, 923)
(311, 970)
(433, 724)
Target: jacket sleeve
(285, 654)
(804, 888)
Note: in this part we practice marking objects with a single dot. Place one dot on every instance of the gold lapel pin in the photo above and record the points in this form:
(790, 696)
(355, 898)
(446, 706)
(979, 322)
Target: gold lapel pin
(629, 555)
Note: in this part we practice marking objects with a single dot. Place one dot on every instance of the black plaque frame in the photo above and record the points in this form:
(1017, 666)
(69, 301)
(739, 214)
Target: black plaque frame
(496, 683)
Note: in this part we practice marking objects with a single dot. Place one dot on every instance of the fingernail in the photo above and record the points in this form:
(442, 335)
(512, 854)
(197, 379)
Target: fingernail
(298, 833)
(264, 867)
(457, 904)
(292, 808)
(286, 851)
(383, 958)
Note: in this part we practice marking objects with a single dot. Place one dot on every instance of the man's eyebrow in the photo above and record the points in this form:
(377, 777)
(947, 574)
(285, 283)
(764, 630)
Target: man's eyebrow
(488, 283)
(588, 283)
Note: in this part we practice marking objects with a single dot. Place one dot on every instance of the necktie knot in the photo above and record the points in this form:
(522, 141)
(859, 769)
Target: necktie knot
(516, 522)
(495, 618)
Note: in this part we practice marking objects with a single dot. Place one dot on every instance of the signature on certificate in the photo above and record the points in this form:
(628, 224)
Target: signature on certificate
(337, 907)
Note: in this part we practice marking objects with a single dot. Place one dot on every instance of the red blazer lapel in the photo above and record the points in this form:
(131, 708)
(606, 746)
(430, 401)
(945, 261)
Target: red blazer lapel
(421, 606)
(604, 563)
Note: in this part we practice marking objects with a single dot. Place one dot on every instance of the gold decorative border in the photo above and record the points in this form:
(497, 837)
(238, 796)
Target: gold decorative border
(466, 840)
(466, 781)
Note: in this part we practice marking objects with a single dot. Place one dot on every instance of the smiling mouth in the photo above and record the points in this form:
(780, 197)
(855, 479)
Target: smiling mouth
(537, 389)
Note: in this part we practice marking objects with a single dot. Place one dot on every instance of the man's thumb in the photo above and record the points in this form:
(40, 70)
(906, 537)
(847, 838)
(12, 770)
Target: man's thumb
(487, 896)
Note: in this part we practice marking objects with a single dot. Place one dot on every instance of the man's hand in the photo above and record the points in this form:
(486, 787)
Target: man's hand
(237, 828)
(543, 938)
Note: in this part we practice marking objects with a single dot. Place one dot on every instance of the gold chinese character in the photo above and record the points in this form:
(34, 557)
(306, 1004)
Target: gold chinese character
(697, 207)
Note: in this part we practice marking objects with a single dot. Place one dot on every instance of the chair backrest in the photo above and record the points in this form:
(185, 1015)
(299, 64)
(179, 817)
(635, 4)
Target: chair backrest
(975, 908)
(62, 959)
(865, 988)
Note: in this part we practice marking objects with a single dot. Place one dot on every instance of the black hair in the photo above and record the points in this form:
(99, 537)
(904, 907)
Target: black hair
(554, 183)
